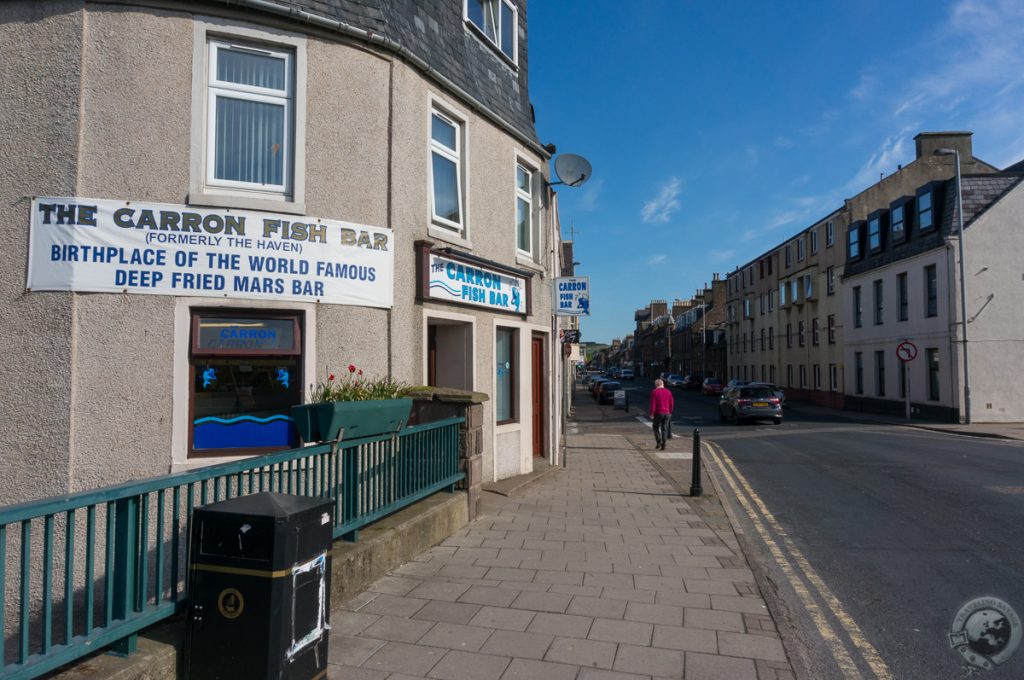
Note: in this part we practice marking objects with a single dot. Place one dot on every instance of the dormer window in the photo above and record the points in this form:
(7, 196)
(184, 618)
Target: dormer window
(876, 223)
(853, 236)
(497, 21)
(925, 214)
(898, 221)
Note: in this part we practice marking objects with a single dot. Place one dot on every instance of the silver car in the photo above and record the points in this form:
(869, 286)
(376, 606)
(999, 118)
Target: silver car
(749, 402)
(776, 390)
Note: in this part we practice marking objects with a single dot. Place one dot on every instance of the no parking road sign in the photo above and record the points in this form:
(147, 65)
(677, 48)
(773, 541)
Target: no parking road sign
(906, 351)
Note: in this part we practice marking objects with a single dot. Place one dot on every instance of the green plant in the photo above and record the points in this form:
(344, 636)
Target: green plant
(354, 387)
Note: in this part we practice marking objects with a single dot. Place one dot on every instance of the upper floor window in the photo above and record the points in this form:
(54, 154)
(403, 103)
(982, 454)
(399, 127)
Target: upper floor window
(497, 21)
(830, 234)
(875, 232)
(782, 294)
(931, 291)
(898, 222)
(789, 256)
(830, 278)
(854, 242)
(857, 309)
(901, 297)
(250, 125)
(446, 170)
(925, 214)
(524, 209)
(800, 249)
(814, 241)
(808, 286)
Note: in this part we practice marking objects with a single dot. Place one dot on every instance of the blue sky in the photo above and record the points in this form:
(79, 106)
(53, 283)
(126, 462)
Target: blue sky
(717, 129)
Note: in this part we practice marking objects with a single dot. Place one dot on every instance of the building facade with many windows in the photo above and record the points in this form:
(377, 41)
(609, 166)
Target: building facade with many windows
(787, 311)
(223, 202)
(904, 280)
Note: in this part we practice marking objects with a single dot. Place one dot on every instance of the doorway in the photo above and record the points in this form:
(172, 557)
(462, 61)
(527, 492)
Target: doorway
(449, 354)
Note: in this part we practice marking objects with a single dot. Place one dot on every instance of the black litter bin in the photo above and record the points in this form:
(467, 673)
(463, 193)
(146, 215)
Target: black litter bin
(259, 595)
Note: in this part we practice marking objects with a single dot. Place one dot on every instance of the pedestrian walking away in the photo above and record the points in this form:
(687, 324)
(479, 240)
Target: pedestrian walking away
(662, 405)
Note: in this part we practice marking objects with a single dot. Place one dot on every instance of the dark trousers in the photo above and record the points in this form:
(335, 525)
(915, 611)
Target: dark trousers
(662, 422)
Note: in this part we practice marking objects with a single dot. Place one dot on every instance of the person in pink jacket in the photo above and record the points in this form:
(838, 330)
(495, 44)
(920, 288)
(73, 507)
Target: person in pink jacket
(662, 405)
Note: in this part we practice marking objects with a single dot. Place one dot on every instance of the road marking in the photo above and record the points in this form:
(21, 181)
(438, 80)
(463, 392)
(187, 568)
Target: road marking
(835, 645)
(867, 650)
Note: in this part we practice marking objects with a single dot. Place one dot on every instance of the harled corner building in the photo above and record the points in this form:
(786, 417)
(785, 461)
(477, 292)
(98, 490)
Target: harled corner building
(211, 205)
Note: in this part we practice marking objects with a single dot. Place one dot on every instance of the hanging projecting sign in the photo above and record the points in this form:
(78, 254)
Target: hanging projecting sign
(104, 246)
(472, 284)
(572, 296)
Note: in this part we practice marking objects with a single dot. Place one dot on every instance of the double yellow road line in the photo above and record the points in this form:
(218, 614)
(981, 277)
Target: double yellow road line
(803, 578)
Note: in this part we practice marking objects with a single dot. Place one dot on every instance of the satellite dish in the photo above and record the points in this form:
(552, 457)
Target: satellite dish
(572, 169)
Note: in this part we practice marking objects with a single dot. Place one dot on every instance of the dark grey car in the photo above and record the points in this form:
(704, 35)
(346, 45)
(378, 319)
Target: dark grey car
(739, 403)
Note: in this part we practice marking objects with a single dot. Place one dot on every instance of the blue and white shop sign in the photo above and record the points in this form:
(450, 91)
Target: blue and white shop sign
(472, 284)
(572, 296)
(105, 246)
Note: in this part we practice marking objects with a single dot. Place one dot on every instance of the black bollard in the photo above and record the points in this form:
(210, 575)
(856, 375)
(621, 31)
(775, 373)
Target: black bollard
(695, 489)
(627, 402)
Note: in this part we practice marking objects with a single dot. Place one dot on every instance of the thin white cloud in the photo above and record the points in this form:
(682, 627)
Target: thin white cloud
(783, 142)
(719, 256)
(884, 161)
(657, 259)
(589, 199)
(864, 88)
(660, 208)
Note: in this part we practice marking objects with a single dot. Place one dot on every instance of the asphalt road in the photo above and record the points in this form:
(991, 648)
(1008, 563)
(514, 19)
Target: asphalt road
(869, 537)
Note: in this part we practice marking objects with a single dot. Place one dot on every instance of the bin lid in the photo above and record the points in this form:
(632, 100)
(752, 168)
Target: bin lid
(266, 504)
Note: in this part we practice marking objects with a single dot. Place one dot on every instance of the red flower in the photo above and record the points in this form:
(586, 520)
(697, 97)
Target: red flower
(360, 371)
(351, 368)
(330, 377)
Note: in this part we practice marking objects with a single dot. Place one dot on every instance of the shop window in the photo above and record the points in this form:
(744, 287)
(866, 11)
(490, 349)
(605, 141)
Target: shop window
(246, 374)
(505, 375)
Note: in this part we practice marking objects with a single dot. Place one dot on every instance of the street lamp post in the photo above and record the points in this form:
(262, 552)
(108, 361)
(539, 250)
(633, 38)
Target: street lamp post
(963, 281)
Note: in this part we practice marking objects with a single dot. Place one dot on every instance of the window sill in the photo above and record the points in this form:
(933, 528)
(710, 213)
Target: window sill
(246, 202)
(448, 236)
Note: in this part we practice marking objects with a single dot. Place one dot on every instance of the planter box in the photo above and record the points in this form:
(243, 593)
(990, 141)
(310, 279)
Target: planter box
(344, 420)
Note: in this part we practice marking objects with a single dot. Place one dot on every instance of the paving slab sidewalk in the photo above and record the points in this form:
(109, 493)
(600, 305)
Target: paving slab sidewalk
(601, 572)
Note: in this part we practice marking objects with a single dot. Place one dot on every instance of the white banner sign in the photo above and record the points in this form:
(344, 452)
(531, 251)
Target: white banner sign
(468, 284)
(103, 246)
(572, 296)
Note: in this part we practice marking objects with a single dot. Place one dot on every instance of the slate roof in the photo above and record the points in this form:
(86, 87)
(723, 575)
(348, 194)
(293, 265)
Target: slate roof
(980, 193)
(435, 31)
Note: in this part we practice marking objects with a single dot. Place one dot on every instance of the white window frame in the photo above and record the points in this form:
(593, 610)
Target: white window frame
(441, 227)
(814, 241)
(800, 249)
(496, 45)
(530, 197)
(208, 33)
(830, 234)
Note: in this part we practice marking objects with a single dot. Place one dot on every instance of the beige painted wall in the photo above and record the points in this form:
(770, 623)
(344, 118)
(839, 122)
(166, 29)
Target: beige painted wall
(40, 117)
(995, 287)
(96, 383)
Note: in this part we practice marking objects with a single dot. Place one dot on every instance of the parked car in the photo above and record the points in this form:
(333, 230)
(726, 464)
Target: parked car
(674, 380)
(596, 384)
(775, 389)
(711, 387)
(692, 382)
(613, 372)
(736, 383)
(606, 392)
(627, 374)
(749, 402)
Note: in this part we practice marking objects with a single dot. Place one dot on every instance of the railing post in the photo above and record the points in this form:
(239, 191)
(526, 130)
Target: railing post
(126, 547)
(350, 489)
(695, 489)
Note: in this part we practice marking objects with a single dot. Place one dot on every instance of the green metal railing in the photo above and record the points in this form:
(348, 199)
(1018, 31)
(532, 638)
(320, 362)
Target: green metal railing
(61, 605)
